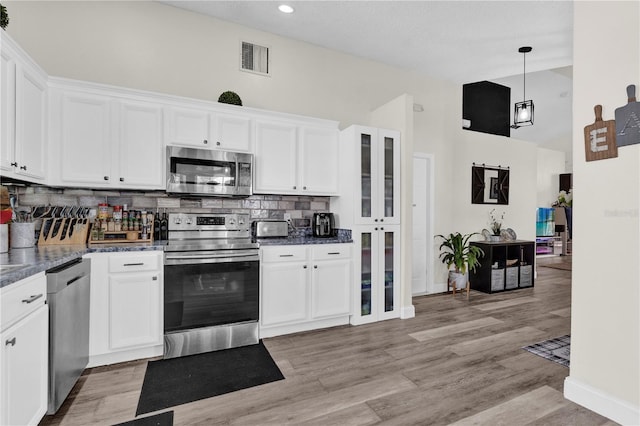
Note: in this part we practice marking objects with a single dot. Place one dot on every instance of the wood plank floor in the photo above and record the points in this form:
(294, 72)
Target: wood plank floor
(457, 362)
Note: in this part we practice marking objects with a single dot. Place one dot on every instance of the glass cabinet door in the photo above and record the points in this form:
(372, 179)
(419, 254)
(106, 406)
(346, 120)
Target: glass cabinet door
(389, 269)
(389, 176)
(365, 175)
(365, 274)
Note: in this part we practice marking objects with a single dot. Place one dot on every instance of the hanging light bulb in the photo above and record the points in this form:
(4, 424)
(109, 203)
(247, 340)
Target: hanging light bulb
(523, 112)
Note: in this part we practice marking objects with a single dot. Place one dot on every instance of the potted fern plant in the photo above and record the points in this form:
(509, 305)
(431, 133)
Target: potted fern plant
(455, 251)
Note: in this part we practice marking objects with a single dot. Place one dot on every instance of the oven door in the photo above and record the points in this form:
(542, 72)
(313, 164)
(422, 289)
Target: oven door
(201, 290)
(208, 172)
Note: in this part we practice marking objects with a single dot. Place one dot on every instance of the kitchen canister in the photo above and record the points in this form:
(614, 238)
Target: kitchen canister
(4, 238)
(22, 234)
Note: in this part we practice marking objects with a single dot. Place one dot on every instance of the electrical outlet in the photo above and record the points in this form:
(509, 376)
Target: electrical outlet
(287, 216)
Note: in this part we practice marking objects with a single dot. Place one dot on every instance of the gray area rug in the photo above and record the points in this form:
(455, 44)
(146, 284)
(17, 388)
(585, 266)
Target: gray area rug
(557, 350)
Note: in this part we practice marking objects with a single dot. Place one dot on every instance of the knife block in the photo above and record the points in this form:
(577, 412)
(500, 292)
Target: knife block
(63, 231)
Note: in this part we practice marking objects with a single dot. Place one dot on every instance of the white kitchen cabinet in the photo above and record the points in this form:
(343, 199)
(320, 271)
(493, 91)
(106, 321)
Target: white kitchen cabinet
(304, 287)
(104, 141)
(23, 115)
(376, 273)
(330, 280)
(369, 177)
(126, 307)
(295, 158)
(140, 151)
(208, 128)
(276, 158)
(24, 352)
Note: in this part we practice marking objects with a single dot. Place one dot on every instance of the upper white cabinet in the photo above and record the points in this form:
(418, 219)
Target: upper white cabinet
(276, 159)
(140, 153)
(23, 94)
(295, 158)
(102, 140)
(369, 177)
(208, 128)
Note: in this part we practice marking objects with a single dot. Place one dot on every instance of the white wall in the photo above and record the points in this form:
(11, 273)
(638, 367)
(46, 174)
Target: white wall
(151, 46)
(605, 316)
(551, 164)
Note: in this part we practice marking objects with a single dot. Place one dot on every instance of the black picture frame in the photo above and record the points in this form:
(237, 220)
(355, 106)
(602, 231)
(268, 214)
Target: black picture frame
(483, 187)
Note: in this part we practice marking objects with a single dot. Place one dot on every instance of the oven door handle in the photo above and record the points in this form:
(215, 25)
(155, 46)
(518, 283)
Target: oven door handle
(185, 259)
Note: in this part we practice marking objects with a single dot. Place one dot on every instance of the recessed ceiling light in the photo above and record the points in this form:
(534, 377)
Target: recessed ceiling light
(285, 8)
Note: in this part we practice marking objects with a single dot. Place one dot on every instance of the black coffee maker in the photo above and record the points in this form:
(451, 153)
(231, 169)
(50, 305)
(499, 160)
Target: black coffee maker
(323, 225)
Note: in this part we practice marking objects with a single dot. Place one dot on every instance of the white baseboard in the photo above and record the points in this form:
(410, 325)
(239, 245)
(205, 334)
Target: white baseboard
(606, 405)
(407, 312)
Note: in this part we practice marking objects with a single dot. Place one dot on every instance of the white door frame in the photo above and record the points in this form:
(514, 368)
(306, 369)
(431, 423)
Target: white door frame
(430, 222)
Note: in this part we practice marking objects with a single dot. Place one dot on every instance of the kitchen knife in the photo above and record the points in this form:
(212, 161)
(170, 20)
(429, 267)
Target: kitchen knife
(65, 227)
(72, 227)
(56, 227)
(46, 227)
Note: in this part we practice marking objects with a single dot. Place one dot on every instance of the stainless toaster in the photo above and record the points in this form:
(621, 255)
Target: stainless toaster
(270, 228)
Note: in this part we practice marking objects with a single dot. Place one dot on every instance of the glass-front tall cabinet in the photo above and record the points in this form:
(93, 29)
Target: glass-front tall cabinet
(369, 205)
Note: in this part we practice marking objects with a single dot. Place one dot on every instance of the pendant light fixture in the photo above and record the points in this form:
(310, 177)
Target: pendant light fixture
(523, 112)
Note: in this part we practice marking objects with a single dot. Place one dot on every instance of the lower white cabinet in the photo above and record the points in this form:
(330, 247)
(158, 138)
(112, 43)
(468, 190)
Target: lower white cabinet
(24, 352)
(126, 307)
(304, 287)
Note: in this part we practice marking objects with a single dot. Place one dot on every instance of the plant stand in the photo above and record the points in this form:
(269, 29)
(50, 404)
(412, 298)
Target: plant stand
(451, 282)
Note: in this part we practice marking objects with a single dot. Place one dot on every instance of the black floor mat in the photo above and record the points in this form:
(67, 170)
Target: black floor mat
(172, 382)
(162, 419)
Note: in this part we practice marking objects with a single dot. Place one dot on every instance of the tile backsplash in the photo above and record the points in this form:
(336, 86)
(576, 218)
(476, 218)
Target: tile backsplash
(301, 208)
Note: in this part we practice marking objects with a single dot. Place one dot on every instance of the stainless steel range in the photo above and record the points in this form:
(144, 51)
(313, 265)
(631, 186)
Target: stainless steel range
(211, 284)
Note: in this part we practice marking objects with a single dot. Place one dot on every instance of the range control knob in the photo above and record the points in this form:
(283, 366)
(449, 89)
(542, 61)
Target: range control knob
(189, 221)
(177, 221)
(232, 221)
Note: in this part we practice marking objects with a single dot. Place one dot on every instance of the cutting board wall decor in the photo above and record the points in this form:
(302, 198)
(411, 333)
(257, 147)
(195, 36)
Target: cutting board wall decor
(628, 120)
(600, 138)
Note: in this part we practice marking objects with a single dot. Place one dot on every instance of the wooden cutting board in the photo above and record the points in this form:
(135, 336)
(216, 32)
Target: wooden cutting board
(600, 138)
(628, 120)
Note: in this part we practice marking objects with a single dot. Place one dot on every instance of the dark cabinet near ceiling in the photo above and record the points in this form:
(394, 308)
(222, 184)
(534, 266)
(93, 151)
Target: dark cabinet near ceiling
(506, 265)
(487, 106)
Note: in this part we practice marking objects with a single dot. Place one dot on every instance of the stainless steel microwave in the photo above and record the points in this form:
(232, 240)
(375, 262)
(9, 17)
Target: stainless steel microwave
(206, 172)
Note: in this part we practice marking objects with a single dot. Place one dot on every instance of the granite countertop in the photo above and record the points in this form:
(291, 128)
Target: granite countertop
(37, 259)
(305, 236)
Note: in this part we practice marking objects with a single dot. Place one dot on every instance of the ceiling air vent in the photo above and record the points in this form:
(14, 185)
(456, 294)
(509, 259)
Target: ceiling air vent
(254, 58)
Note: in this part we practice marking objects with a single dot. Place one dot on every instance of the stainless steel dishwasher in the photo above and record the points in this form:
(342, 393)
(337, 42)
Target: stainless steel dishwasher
(68, 299)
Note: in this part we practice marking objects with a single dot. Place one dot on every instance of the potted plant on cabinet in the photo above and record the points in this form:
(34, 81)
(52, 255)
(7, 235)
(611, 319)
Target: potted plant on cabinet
(455, 251)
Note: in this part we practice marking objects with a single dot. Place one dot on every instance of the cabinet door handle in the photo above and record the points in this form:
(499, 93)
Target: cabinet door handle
(286, 255)
(121, 179)
(334, 252)
(315, 266)
(294, 187)
(155, 278)
(381, 220)
(218, 143)
(14, 164)
(134, 264)
(304, 187)
(11, 342)
(205, 141)
(375, 229)
(106, 178)
(375, 220)
(304, 267)
(32, 299)
(381, 228)
(23, 167)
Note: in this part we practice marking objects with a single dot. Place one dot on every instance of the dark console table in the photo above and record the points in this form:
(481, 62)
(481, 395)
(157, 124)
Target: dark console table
(506, 265)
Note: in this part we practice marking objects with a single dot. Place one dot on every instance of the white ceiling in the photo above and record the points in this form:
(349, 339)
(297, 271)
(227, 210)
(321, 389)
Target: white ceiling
(460, 41)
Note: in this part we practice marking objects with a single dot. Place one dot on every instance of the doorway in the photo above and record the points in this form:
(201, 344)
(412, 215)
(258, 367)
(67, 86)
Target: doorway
(422, 274)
